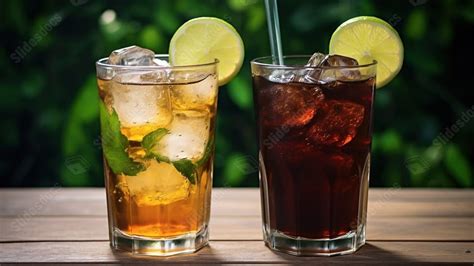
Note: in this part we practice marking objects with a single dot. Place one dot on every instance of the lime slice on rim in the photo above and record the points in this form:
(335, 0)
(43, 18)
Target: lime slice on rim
(369, 38)
(202, 40)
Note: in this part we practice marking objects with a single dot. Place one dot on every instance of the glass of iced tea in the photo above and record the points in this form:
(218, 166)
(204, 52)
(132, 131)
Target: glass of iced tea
(314, 118)
(157, 127)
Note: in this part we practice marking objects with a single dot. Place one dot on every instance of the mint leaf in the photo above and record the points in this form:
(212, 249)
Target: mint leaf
(161, 158)
(207, 152)
(114, 144)
(153, 137)
(186, 168)
(150, 140)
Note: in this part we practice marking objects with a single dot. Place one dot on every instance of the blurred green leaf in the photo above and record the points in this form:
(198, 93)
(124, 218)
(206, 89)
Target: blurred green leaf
(256, 18)
(85, 109)
(366, 6)
(433, 154)
(458, 165)
(240, 5)
(33, 85)
(77, 140)
(116, 30)
(240, 91)
(422, 61)
(437, 179)
(445, 32)
(151, 38)
(311, 15)
(166, 18)
(467, 11)
(416, 24)
(50, 119)
(390, 142)
(43, 94)
(234, 169)
(11, 136)
(14, 12)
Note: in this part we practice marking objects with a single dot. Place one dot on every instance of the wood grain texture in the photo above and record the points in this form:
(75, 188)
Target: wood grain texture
(236, 202)
(236, 252)
(70, 225)
(240, 228)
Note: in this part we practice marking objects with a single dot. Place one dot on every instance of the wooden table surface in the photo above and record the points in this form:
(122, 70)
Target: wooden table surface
(66, 225)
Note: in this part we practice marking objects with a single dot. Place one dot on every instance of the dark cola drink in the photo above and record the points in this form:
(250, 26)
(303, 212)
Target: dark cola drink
(314, 133)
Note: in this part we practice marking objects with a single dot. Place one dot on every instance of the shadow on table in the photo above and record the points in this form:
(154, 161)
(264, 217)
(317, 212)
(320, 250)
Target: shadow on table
(206, 255)
(367, 254)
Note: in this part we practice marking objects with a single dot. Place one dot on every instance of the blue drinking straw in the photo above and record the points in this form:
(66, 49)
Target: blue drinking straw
(274, 31)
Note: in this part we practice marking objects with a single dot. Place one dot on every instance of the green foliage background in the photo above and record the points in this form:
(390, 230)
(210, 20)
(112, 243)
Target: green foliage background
(49, 103)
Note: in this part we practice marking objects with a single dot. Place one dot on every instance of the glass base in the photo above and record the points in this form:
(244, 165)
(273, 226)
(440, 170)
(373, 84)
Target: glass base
(183, 244)
(301, 246)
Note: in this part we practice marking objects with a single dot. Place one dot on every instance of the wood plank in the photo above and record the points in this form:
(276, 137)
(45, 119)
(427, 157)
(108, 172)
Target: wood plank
(52, 201)
(389, 208)
(225, 252)
(410, 194)
(69, 225)
(238, 228)
(236, 202)
(96, 228)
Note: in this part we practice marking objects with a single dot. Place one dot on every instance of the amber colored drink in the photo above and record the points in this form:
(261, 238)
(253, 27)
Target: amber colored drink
(158, 140)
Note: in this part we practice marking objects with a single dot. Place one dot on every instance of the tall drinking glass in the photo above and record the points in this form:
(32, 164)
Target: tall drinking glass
(314, 132)
(157, 126)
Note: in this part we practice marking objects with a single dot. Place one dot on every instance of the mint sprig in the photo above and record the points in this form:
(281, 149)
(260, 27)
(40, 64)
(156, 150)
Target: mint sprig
(115, 144)
(151, 139)
(207, 152)
(187, 168)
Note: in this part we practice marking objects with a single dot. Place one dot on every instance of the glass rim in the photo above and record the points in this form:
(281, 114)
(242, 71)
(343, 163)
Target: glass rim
(101, 63)
(258, 62)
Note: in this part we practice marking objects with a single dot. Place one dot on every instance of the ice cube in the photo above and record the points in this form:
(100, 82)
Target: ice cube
(132, 56)
(159, 62)
(338, 168)
(311, 75)
(339, 163)
(342, 74)
(141, 108)
(188, 136)
(337, 72)
(296, 75)
(196, 93)
(159, 184)
(305, 150)
(338, 61)
(142, 76)
(315, 59)
(288, 104)
(308, 75)
(344, 171)
(337, 123)
(282, 76)
(156, 76)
